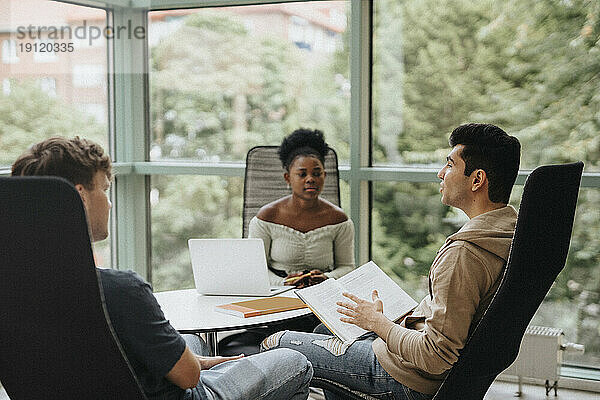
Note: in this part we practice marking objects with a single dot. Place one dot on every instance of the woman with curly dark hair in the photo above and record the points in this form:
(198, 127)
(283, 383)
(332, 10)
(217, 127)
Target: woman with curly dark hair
(307, 238)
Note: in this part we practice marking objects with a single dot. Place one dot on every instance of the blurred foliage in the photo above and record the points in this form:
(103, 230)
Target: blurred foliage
(29, 115)
(415, 225)
(217, 90)
(190, 207)
(531, 67)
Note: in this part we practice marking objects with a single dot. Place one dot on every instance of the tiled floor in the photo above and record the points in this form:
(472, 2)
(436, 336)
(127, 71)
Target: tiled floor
(506, 390)
(498, 391)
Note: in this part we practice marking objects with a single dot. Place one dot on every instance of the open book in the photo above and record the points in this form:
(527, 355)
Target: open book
(322, 298)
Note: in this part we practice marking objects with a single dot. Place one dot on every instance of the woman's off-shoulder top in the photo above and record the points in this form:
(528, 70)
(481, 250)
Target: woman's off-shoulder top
(329, 248)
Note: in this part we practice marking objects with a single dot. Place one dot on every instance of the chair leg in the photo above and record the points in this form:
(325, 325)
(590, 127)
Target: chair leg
(520, 390)
(212, 342)
(549, 387)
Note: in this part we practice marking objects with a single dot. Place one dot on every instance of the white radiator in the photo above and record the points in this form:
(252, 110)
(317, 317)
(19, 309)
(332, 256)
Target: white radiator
(540, 356)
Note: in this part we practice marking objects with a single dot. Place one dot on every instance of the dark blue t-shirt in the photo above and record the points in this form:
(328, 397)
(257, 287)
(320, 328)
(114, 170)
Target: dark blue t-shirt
(151, 344)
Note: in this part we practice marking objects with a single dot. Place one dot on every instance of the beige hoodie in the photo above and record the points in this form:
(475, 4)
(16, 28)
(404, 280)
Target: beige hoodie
(419, 351)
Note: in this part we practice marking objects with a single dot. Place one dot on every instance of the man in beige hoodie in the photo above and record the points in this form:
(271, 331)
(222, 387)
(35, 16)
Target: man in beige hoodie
(409, 359)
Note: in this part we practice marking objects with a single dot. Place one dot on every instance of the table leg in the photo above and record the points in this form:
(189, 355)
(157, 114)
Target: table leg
(212, 342)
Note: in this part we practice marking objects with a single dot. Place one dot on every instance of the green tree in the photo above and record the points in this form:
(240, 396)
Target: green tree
(431, 70)
(29, 115)
(190, 207)
(551, 102)
(531, 67)
(217, 90)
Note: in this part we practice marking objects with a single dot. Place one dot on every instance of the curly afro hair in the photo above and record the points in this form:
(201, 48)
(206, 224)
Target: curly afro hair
(302, 142)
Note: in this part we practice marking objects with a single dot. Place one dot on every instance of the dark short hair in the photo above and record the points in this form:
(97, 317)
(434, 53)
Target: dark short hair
(489, 148)
(303, 142)
(77, 160)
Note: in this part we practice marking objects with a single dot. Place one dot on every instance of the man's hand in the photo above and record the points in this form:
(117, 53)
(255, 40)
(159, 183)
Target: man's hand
(209, 362)
(365, 314)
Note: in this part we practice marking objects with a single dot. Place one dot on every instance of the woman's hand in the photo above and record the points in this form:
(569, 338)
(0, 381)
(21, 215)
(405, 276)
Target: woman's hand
(298, 279)
(316, 276)
(209, 362)
(365, 314)
(304, 279)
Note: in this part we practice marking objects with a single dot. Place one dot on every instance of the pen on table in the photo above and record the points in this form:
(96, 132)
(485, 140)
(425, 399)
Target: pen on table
(296, 278)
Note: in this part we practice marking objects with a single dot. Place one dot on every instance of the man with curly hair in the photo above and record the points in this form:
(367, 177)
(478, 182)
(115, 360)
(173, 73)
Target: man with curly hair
(167, 364)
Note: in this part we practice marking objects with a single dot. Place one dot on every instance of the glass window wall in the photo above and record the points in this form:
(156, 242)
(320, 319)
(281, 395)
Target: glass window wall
(530, 67)
(225, 79)
(39, 72)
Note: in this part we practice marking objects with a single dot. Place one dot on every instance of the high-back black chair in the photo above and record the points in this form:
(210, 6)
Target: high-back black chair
(264, 183)
(538, 254)
(56, 341)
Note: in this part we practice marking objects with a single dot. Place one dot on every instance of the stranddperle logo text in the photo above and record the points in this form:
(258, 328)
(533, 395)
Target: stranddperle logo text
(81, 32)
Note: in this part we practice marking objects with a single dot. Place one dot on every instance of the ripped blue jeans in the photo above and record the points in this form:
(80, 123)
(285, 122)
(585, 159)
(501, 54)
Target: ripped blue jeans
(355, 367)
(282, 374)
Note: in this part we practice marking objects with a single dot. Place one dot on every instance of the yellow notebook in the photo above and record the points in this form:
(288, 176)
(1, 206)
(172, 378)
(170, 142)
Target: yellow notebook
(268, 305)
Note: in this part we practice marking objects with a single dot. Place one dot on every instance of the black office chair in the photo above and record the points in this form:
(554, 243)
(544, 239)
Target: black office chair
(264, 183)
(56, 341)
(538, 254)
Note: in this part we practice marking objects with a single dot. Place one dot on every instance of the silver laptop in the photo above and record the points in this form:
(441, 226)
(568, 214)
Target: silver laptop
(231, 267)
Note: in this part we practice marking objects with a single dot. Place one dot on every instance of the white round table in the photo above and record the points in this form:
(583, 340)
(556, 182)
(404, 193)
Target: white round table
(190, 312)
